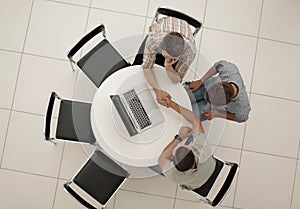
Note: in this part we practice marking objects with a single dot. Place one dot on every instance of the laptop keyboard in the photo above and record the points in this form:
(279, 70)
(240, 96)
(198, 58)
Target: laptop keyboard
(137, 109)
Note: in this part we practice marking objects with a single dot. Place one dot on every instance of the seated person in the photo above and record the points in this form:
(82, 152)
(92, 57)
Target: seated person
(221, 96)
(173, 39)
(191, 165)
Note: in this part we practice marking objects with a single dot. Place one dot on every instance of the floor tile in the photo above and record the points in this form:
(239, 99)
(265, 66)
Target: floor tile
(25, 148)
(137, 7)
(77, 2)
(233, 15)
(126, 41)
(157, 185)
(260, 178)
(132, 200)
(64, 200)
(4, 115)
(233, 134)
(116, 29)
(20, 190)
(296, 195)
(38, 78)
(274, 67)
(268, 132)
(13, 27)
(74, 156)
(180, 204)
(279, 20)
(53, 35)
(10, 67)
(238, 49)
(193, 8)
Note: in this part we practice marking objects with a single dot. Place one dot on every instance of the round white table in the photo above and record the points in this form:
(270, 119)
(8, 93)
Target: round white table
(107, 132)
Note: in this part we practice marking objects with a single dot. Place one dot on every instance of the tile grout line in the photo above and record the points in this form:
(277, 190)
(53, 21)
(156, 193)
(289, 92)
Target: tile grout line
(295, 177)
(81, 51)
(221, 30)
(145, 193)
(275, 97)
(67, 3)
(251, 84)
(59, 170)
(270, 154)
(256, 47)
(240, 160)
(252, 36)
(28, 173)
(16, 84)
(200, 41)
(175, 197)
(148, 4)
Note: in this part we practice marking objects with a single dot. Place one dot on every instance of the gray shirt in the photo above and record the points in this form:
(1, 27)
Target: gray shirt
(193, 178)
(239, 105)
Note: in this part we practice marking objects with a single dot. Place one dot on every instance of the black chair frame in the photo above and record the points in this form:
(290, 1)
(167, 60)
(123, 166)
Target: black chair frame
(119, 64)
(204, 190)
(68, 122)
(173, 13)
(90, 168)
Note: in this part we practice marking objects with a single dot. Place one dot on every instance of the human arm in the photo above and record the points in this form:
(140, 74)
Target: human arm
(162, 96)
(166, 154)
(188, 115)
(210, 114)
(194, 85)
(173, 75)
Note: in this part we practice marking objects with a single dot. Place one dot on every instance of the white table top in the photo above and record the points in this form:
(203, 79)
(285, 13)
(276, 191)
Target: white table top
(107, 131)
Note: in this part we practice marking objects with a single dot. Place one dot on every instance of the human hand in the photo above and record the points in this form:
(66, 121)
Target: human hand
(210, 114)
(184, 131)
(194, 85)
(163, 97)
(170, 61)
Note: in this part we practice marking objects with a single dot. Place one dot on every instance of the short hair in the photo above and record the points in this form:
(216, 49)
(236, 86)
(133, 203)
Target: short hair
(219, 94)
(173, 44)
(184, 159)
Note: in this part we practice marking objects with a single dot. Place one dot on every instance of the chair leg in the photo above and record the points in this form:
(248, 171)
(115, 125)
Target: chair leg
(51, 140)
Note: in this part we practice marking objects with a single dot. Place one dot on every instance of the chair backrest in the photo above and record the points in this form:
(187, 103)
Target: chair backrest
(101, 61)
(73, 121)
(100, 177)
(216, 187)
(173, 13)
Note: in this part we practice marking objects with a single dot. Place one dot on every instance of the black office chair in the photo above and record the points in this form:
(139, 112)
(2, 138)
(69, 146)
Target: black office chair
(172, 13)
(73, 121)
(216, 187)
(97, 181)
(101, 61)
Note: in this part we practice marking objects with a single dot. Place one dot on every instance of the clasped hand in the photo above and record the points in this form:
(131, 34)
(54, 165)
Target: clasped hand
(163, 98)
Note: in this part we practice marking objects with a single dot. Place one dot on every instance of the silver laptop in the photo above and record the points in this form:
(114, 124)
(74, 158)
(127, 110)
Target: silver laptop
(137, 109)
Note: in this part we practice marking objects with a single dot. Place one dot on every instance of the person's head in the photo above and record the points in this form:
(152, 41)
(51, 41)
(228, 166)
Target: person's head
(172, 45)
(183, 158)
(220, 94)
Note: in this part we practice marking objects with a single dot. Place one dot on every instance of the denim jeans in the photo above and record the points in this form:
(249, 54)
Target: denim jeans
(197, 101)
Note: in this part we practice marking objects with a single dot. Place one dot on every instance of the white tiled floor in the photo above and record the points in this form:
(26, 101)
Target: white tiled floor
(260, 36)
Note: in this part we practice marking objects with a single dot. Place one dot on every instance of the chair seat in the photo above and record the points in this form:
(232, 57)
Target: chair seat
(91, 177)
(205, 188)
(101, 61)
(72, 122)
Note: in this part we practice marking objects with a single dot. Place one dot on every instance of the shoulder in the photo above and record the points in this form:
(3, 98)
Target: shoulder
(224, 66)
